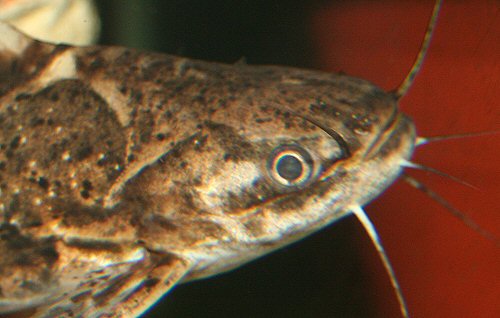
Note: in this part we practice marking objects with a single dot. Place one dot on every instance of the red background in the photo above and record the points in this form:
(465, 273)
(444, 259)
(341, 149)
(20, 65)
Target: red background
(445, 269)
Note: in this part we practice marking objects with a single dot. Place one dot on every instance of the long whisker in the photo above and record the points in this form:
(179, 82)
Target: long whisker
(409, 164)
(372, 233)
(454, 211)
(426, 140)
(408, 81)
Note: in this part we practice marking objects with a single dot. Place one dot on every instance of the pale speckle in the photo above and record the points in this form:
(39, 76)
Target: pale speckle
(102, 156)
(33, 164)
(20, 128)
(24, 140)
(66, 156)
(2, 207)
(14, 222)
(37, 201)
(74, 184)
(52, 194)
(118, 168)
(17, 191)
(59, 130)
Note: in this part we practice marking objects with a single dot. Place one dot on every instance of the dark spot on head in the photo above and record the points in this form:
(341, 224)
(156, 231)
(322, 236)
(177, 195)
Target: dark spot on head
(14, 203)
(137, 96)
(85, 194)
(96, 64)
(123, 89)
(83, 152)
(222, 103)
(9, 154)
(49, 253)
(36, 121)
(14, 143)
(168, 114)
(43, 183)
(196, 181)
(87, 185)
(160, 136)
(95, 245)
(164, 223)
(22, 96)
(151, 282)
(262, 120)
(54, 97)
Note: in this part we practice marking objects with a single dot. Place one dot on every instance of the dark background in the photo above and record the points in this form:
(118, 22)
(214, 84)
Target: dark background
(260, 31)
(322, 276)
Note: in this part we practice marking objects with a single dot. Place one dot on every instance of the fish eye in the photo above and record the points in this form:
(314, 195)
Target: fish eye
(290, 165)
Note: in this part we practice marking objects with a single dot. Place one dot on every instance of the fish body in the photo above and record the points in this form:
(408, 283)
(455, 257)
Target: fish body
(125, 172)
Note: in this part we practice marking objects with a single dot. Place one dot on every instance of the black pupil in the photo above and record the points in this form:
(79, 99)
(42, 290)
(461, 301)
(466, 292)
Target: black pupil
(289, 168)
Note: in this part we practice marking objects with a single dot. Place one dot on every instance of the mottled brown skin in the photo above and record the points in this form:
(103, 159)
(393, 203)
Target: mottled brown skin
(121, 169)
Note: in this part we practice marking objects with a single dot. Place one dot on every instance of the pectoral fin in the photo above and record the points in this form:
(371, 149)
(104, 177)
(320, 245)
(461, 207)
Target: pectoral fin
(124, 295)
